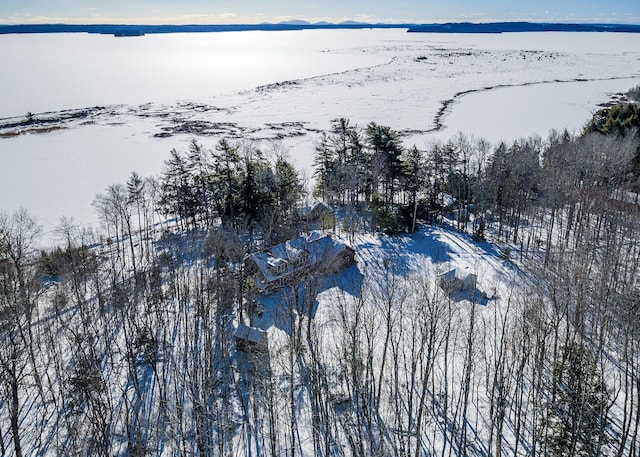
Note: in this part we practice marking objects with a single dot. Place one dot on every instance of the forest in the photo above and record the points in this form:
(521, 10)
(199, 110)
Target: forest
(120, 341)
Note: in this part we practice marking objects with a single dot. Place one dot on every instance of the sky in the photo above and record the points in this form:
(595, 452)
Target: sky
(258, 11)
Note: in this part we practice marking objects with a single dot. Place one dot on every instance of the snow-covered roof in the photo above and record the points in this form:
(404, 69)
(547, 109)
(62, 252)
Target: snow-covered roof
(323, 248)
(275, 261)
(625, 196)
(314, 236)
(316, 208)
(296, 255)
(457, 279)
(445, 200)
(251, 334)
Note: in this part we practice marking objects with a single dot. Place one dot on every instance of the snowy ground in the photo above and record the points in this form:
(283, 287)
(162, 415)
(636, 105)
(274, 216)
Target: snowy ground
(285, 87)
(389, 265)
(427, 253)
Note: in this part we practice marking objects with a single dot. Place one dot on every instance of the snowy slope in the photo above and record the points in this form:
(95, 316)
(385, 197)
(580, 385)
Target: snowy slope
(395, 281)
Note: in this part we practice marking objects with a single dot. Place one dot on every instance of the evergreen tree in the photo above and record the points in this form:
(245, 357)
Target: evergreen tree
(258, 187)
(357, 169)
(288, 188)
(177, 195)
(325, 167)
(617, 120)
(135, 192)
(225, 180)
(413, 179)
(345, 144)
(200, 170)
(386, 168)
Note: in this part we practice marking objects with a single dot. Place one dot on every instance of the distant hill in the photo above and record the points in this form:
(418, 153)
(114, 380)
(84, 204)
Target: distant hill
(463, 27)
(294, 22)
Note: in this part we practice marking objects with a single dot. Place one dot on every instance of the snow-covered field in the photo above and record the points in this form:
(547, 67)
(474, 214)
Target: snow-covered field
(159, 92)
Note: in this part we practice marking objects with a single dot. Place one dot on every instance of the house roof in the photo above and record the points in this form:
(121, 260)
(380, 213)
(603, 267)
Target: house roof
(455, 273)
(316, 208)
(445, 200)
(251, 334)
(462, 277)
(294, 255)
(321, 207)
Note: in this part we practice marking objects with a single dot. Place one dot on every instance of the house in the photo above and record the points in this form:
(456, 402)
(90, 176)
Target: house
(319, 213)
(461, 214)
(283, 264)
(454, 280)
(249, 339)
(445, 200)
(625, 196)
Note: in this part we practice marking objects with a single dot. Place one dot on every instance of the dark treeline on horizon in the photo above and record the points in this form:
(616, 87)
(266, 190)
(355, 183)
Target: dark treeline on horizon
(512, 27)
(459, 27)
(110, 29)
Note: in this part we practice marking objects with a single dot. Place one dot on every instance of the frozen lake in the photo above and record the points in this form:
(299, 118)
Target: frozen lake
(286, 85)
(508, 113)
(50, 72)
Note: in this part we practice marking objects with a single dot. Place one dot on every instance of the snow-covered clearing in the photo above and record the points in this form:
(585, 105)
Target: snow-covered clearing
(395, 282)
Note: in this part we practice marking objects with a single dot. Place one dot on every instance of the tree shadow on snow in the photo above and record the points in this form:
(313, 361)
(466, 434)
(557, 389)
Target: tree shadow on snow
(474, 296)
(403, 253)
(281, 308)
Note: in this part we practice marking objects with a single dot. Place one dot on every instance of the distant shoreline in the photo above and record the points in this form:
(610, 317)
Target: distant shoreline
(463, 27)
(515, 27)
(139, 30)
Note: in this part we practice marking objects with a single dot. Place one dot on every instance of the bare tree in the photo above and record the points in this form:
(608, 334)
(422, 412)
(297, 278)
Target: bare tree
(18, 295)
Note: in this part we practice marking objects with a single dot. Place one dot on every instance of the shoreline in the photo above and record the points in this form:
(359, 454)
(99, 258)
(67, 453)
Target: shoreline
(446, 104)
(139, 30)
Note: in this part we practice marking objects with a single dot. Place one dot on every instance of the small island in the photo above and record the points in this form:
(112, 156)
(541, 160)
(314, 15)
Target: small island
(128, 33)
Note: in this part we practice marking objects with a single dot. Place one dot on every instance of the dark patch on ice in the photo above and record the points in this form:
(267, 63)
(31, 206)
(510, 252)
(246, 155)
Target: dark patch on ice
(46, 122)
(278, 85)
(201, 128)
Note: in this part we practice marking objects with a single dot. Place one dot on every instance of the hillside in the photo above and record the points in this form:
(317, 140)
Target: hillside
(490, 311)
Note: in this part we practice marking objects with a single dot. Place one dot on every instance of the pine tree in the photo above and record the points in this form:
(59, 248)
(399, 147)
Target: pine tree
(177, 195)
(200, 171)
(386, 149)
(225, 179)
(325, 165)
(288, 188)
(413, 178)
